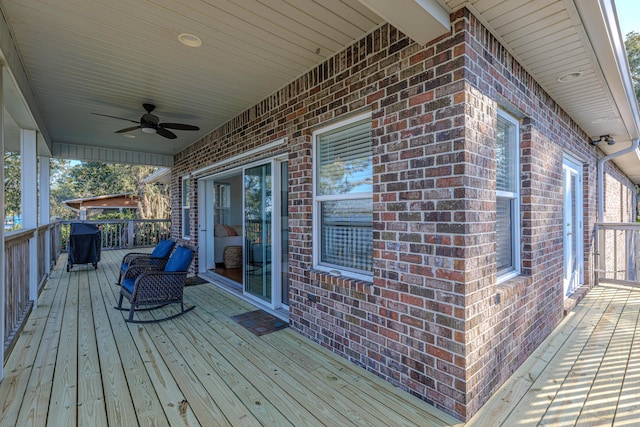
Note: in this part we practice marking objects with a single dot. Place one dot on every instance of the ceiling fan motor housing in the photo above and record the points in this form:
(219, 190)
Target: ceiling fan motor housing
(149, 121)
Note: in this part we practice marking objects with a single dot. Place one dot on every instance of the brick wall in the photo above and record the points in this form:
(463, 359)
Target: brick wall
(506, 322)
(432, 320)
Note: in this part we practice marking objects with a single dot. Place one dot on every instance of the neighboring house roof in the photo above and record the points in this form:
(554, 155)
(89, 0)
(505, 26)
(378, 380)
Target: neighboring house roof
(112, 201)
(161, 176)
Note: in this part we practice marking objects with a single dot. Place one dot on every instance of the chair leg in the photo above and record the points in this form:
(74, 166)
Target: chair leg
(119, 307)
(131, 311)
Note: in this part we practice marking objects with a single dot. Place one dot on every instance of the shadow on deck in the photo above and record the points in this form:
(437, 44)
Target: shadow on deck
(587, 372)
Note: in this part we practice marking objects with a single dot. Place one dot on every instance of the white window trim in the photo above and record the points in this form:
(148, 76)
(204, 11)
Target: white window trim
(516, 197)
(336, 271)
(184, 178)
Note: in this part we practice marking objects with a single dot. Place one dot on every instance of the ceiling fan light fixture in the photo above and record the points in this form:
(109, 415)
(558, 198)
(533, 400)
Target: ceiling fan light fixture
(189, 40)
(148, 130)
(569, 77)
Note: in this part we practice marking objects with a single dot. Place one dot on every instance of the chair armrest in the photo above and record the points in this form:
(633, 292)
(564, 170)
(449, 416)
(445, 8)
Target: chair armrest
(137, 270)
(134, 255)
(149, 260)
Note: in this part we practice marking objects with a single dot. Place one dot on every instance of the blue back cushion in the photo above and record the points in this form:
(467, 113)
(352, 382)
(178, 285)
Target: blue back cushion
(163, 249)
(129, 284)
(180, 260)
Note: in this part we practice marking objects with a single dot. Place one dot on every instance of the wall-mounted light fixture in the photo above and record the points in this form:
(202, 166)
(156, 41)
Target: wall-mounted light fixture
(603, 138)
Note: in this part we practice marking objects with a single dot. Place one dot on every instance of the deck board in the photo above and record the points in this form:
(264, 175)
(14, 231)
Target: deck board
(64, 393)
(575, 377)
(91, 399)
(79, 363)
(38, 344)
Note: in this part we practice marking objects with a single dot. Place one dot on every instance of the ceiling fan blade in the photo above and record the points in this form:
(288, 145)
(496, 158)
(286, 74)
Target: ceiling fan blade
(178, 126)
(128, 129)
(166, 133)
(114, 117)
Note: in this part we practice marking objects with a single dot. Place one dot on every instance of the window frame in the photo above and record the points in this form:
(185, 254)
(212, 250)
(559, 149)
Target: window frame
(185, 202)
(318, 199)
(222, 208)
(515, 202)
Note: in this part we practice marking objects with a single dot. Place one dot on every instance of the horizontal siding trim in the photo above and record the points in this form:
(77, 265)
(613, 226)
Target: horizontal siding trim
(109, 155)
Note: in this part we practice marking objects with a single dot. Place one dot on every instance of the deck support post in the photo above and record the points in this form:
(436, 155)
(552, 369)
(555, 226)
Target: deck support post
(2, 272)
(29, 190)
(45, 208)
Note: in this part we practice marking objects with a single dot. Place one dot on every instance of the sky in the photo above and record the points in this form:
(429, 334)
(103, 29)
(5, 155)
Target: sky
(628, 16)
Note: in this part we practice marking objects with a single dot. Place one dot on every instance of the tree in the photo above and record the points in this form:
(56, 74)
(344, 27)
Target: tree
(632, 44)
(100, 179)
(12, 191)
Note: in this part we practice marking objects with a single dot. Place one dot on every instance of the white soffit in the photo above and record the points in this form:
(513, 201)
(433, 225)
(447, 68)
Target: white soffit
(109, 155)
(422, 20)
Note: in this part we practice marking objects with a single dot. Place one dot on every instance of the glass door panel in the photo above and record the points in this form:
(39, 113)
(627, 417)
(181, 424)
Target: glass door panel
(572, 226)
(284, 230)
(258, 208)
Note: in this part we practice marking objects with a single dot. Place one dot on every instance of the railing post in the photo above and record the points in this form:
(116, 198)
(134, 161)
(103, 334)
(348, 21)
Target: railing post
(131, 230)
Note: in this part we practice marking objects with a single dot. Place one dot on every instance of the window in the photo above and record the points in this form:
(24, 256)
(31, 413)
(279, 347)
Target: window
(507, 197)
(343, 204)
(186, 223)
(222, 204)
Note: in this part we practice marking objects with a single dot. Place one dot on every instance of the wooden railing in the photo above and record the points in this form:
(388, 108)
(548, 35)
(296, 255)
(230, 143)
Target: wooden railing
(124, 234)
(116, 234)
(43, 231)
(16, 277)
(617, 258)
(55, 233)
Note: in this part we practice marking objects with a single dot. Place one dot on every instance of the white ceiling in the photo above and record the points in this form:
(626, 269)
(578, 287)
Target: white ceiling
(111, 56)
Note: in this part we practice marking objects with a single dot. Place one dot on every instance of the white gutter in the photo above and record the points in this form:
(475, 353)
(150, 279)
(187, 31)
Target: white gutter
(600, 202)
(610, 16)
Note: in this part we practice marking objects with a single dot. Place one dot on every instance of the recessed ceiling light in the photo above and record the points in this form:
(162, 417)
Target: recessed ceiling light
(570, 76)
(128, 135)
(190, 40)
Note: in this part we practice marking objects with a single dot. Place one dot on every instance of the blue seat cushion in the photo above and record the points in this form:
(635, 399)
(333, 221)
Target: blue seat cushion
(163, 249)
(180, 260)
(129, 284)
(124, 266)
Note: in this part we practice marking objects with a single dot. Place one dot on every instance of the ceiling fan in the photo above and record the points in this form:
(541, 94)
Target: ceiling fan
(150, 123)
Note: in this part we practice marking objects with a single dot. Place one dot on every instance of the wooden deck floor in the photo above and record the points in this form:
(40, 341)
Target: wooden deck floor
(586, 373)
(78, 363)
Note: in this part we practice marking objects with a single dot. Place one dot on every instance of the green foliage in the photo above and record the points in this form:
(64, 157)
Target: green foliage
(73, 181)
(100, 179)
(632, 44)
(125, 214)
(12, 191)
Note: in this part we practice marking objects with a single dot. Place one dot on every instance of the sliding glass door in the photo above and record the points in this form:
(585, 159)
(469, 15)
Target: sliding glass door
(255, 196)
(258, 211)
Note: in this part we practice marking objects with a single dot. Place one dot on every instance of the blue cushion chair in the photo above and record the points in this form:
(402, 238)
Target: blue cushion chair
(148, 286)
(160, 255)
